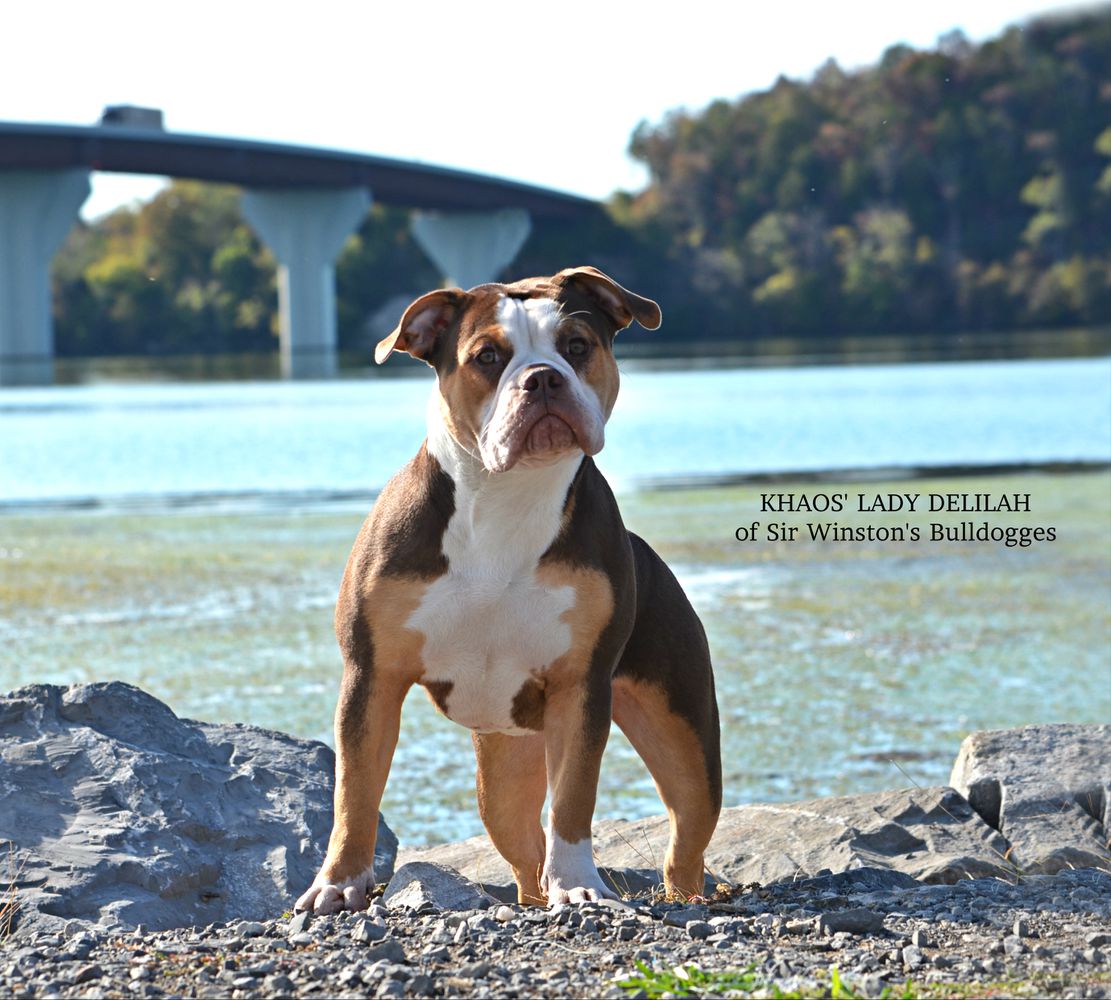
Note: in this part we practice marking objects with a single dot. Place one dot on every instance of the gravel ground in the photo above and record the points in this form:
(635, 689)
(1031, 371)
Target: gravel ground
(1045, 936)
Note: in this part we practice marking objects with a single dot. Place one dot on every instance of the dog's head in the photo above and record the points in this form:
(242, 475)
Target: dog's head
(525, 371)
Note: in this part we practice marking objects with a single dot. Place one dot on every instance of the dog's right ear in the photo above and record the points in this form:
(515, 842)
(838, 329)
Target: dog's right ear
(423, 323)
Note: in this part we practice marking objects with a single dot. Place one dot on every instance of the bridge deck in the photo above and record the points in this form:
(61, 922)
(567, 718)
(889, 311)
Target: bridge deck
(252, 164)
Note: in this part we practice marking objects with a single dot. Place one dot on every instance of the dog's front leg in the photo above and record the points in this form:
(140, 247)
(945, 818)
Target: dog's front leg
(576, 726)
(368, 717)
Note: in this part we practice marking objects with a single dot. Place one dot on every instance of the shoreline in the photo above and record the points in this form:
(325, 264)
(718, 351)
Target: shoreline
(245, 501)
(926, 893)
(675, 354)
(1044, 937)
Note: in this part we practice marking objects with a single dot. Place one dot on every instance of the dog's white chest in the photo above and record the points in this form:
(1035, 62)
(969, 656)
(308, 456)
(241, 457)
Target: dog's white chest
(488, 638)
(493, 622)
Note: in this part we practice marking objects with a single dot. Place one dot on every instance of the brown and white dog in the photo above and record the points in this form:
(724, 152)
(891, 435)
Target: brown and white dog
(495, 571)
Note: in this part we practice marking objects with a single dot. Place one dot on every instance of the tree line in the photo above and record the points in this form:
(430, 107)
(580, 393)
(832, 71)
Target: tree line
(962, 188)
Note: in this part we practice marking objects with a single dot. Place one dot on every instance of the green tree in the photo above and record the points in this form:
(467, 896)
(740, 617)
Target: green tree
(961, 187)
(180, 273)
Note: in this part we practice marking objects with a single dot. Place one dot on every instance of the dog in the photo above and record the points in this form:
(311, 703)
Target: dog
(495, 571)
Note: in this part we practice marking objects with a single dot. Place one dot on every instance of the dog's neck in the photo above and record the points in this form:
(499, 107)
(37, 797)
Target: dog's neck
(520, 509)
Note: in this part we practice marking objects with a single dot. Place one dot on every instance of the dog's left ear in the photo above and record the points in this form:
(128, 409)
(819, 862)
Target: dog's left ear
(422, 324)
(621, 305)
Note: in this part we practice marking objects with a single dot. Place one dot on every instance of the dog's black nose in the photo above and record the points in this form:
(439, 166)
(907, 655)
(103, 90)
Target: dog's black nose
(542, 378)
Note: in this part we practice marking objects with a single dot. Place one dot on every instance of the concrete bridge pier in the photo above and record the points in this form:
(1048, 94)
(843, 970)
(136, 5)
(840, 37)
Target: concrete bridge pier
(471, 248)
(37, 210)
(305, 231)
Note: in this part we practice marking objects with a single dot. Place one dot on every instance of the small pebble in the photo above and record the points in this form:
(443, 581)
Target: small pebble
(684, 915)
(87, 973)
(366, 930)
(856, 920)
(299, 922)
(279, 986)
(912, 956)
(474, 970)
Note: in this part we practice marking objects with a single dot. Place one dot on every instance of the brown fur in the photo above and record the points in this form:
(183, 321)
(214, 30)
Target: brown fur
(468, 386)
(674, 754)
(574, 736)
(512, 783)
(438, 692)
(528, 706)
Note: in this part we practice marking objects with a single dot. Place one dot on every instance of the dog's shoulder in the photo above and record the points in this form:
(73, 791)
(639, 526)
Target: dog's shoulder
(403, 534)
(592, 532)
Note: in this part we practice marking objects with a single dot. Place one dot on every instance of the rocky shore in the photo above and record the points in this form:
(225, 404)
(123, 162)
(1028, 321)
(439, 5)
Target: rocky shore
(153, 856)
(1045, 935)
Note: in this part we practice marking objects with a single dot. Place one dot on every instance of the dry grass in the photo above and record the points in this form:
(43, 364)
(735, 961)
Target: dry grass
(9, 899)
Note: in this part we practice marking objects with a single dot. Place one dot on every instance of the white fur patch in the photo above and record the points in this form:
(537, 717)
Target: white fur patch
(330, 897)
(570, 875)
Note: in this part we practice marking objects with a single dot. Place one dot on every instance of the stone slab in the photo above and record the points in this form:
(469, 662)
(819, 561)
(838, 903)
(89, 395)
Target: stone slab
(1046, 788)
(422, 885)
(931, 835)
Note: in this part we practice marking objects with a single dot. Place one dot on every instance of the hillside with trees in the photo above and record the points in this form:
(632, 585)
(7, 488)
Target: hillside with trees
(964, 188)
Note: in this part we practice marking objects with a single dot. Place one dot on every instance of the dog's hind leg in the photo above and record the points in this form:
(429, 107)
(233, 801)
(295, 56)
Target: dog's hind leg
(664, 702)
(686, 769)
(512, 784)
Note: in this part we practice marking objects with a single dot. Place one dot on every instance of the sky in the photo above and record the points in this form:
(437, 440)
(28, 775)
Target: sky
(543, 93)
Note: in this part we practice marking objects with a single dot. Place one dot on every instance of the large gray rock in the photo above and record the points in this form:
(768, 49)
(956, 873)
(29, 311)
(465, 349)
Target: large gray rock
(118, 811)
(1046, 788)
(930, 834)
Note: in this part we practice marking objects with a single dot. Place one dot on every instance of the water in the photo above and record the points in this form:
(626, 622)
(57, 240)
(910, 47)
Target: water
(839, 666)
(107, 441)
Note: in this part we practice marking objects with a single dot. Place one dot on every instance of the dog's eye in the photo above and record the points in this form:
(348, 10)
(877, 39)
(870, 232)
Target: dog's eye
(487, 356)
(577, 347)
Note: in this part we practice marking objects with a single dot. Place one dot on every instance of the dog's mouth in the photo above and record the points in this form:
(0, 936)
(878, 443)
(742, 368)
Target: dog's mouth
(538, 435)
(549, 433)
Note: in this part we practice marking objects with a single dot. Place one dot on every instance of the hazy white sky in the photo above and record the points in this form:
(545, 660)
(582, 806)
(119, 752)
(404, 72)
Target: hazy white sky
(543, 93)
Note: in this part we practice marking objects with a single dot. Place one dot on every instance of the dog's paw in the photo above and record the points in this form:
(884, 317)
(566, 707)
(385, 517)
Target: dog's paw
(570, 875)
(586, 888)
(579, 894)
(328, 896)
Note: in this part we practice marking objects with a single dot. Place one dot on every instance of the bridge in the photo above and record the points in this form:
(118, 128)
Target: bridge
(302, 202)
